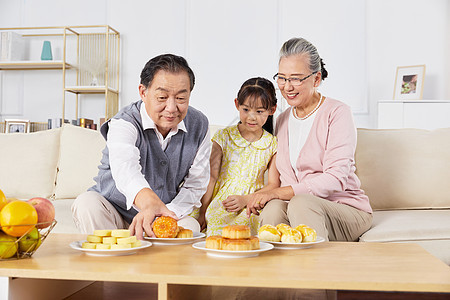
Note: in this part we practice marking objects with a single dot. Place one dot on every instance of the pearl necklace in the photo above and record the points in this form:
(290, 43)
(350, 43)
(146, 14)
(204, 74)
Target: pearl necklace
(313, 111)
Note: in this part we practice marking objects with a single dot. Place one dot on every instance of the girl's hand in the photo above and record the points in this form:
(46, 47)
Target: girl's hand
(202, 221)
(234, 203)
(256, 203)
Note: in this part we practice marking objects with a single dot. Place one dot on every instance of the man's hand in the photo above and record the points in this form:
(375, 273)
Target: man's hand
(150, 207)
(143, 221)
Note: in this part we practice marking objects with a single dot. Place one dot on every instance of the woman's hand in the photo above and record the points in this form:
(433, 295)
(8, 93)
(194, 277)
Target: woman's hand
(234, 203)
(257, 202)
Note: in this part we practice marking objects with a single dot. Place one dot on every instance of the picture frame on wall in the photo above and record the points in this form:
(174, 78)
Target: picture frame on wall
(409, 82)
(14, 126)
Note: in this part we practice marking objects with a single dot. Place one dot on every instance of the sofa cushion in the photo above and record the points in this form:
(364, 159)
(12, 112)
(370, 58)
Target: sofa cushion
(28, 163)
(428, 228)
(81, 151)
(404, 168)
(409, 225)
(63, 216)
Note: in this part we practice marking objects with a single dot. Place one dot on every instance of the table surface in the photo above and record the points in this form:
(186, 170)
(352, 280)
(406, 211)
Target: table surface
(329, 265)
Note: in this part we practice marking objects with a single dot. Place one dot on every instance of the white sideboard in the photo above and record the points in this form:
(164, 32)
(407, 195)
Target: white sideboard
(424, 114)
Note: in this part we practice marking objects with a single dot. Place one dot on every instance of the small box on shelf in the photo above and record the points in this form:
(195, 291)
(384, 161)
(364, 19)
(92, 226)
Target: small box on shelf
(87, 123)
(100, 122)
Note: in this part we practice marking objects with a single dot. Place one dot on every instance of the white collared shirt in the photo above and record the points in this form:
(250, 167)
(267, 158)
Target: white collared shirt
(126, 170)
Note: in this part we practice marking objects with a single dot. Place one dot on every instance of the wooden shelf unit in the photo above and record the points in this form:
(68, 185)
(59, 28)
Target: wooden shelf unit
(96, 49)
(33, 65)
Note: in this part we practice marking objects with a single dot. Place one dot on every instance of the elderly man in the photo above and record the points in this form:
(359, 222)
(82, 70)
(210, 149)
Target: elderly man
(156, 159)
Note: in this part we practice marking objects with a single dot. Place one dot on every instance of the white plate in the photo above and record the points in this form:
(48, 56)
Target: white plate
(233, 254)
(280, 245)
(108, 252)
(176, 241)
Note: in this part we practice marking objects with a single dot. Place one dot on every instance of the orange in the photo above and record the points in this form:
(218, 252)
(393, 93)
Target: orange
(3, 200)
(21, 215)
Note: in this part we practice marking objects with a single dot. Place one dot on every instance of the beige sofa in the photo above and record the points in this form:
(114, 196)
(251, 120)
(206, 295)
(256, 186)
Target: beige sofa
(404, 172)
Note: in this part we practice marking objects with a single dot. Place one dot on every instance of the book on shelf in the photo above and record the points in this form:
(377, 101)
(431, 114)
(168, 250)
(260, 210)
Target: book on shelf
(56, 123)
(82, 122)
(12, 46)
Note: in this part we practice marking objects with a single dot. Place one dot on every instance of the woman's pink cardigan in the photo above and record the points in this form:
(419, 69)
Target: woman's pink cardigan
(326, 163)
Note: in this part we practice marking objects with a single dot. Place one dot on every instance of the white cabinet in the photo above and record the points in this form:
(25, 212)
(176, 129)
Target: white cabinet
(424, 114)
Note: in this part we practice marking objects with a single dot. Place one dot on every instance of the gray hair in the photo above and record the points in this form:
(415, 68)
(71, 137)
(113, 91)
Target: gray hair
(296, 46)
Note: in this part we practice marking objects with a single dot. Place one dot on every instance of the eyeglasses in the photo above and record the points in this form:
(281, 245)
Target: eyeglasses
(293, 80)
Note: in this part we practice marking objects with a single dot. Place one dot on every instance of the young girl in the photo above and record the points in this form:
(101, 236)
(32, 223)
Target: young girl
(239, 158)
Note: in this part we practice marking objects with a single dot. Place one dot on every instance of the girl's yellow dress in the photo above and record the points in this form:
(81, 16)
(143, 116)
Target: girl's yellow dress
(241, 173)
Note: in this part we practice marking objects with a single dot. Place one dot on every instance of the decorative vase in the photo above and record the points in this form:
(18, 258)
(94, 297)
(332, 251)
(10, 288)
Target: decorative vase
(46, 51)
(94, 81)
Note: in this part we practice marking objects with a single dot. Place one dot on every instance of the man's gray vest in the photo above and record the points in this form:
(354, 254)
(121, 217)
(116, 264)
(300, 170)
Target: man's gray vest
(164, 170)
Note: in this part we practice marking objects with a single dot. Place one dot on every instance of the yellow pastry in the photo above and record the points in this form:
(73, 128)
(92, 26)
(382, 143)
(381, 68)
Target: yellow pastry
(120, 232)
(254, 242)
(127, 240)
(102, 232)
(236, 244)
(185, 233)
(269, 233)
(214, 242)
(103, 246)
(109, 240)
(87, 245)
(236, 232)
(138, 243)
(291, 236)
(283, 228)
(308, 234)
(120, 246)
(94, 239)
(165, 227)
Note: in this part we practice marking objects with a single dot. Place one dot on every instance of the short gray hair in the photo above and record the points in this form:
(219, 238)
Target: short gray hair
(296, 46)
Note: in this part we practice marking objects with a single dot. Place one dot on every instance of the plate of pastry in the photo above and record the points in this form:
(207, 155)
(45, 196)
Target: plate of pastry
(78, 245)
(167, 232)
(284, 236)
(263, 247)
(235, 242)
(302, 245)
(110, 242)
(177, 240)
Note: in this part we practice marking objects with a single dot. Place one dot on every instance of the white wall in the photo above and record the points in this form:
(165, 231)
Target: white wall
(226, 42)
(403, 33)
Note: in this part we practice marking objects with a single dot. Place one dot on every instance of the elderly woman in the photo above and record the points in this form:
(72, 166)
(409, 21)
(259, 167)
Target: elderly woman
(316, 146)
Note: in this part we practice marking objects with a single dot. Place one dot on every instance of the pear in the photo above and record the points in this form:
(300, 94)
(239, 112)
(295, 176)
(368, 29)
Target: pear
(30, 242)
(8, 246)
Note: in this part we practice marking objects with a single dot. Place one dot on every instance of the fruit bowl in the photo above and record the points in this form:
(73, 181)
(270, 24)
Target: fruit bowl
(25, 245)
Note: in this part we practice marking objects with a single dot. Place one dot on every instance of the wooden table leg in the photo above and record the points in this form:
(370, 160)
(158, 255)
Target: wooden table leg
(162, 291)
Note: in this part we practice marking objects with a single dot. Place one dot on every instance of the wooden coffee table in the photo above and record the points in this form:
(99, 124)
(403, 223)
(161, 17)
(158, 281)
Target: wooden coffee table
(325, 266)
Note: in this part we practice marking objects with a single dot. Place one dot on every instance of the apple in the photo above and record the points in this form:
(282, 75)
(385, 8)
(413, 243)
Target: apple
(45, 211)
(30, 242)
(8, 246)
